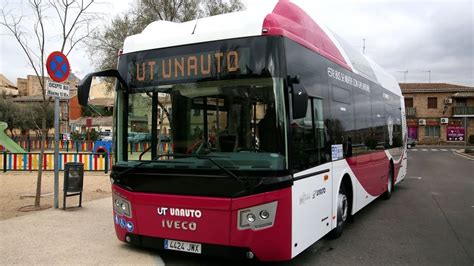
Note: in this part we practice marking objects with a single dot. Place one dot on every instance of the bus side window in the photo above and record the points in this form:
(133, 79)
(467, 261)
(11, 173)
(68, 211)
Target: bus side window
(308, 137)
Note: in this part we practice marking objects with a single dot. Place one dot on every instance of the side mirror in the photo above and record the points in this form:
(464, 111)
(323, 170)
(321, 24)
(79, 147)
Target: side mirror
(299, 101)
(84, 86)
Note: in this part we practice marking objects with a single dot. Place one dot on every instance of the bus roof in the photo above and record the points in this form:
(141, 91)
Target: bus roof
(282, 18)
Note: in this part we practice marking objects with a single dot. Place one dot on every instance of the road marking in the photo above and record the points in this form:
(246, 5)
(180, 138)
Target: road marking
(434, 149)
(415, 177)
(453, 150)
(414, 149)
(424, 149)
(458, 153)
(444, 150)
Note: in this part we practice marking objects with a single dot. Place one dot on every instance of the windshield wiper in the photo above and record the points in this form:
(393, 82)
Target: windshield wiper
(207, 157)
(116, 176)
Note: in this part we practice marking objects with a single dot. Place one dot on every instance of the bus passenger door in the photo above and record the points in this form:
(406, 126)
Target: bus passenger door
(312, 189)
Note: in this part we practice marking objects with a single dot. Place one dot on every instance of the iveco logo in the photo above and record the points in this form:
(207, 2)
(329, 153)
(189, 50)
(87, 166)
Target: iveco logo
(180, 225)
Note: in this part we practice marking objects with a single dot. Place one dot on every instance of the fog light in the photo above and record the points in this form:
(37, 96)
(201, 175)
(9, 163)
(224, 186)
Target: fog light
(128, 239)
(264, 214)
(251, 217)
(249, 255)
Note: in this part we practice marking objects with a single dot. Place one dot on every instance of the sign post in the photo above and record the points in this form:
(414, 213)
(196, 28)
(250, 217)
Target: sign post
(58, 70)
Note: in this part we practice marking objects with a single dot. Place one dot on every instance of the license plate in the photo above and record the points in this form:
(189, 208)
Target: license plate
(183, 246)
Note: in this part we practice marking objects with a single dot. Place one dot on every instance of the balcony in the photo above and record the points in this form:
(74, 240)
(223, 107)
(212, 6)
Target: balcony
(463, 110)
(410, 111)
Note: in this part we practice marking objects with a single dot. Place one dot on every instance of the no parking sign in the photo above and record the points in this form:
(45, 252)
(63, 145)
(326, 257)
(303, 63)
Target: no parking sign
(59, 70)
(58, 66)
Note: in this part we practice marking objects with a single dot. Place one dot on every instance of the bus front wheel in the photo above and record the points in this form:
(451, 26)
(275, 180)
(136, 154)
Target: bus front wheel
(342, 213)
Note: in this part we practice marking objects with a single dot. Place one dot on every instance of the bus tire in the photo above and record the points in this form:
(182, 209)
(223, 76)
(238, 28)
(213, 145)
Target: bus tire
(342, 213)
(388, 194)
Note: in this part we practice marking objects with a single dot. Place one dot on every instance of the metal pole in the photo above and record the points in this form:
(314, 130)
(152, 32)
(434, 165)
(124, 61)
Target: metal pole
(429, 75)
(56, 152)
(405, 72)
(465, 132)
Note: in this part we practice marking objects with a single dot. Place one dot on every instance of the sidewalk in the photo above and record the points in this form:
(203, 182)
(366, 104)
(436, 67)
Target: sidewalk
(17, 189)
(76, 236)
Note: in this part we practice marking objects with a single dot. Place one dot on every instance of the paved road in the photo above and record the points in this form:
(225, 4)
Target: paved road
(428, 221)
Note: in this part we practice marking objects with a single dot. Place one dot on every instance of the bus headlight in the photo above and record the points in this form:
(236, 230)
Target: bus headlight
(250, 217)
(257, 217)
(264, 214)
(122, 206)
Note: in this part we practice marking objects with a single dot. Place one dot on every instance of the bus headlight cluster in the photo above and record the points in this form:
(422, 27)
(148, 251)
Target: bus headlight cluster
(257, 217)
(122, 206)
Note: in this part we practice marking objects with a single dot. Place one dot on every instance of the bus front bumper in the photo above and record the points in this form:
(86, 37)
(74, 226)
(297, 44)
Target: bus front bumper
(218, 226)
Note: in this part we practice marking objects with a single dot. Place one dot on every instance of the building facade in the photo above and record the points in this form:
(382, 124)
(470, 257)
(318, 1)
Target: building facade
(439, 113)
(30, 86)
(7, 87)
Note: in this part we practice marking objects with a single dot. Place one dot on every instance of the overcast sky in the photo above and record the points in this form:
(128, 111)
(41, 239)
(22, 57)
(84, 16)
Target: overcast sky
(401, 35)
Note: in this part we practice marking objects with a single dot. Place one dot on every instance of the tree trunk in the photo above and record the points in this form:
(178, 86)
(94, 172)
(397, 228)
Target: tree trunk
(40, 163)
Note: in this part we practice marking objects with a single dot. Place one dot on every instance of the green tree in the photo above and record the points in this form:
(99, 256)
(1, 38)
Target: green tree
(9, 113)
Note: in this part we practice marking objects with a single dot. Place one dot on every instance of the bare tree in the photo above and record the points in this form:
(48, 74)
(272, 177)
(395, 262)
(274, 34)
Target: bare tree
(74, 19)
(104, 45)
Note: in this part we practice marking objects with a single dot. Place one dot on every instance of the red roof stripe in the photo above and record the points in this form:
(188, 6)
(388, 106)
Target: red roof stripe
(290, 21)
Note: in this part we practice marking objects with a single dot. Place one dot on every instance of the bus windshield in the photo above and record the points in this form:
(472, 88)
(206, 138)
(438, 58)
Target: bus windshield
(240, 123)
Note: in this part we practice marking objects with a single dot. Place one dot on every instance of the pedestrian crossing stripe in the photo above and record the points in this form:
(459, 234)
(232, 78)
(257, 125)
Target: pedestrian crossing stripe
(453, 150)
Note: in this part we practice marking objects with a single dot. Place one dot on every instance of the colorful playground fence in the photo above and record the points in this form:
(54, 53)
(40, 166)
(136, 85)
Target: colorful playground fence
(73, 145)
(30, 161)
(165, 147)
(84, 146)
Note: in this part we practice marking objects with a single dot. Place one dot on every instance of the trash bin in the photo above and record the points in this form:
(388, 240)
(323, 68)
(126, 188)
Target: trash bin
(73, 181)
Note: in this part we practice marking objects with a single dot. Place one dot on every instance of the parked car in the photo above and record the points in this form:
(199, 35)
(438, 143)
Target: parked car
(138, 137)
(411, 143)
(105, 136)
(165, 138)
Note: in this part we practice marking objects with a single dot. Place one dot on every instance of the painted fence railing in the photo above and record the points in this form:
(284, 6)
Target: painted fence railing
(30, 161)
(165, 147)
(84, 146)
(73, 145)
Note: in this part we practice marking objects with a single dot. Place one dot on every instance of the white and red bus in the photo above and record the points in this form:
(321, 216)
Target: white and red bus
(277, 132)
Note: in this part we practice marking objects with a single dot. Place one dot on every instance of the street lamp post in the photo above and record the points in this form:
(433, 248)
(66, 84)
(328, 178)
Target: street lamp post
(405, 72)
(429, 75)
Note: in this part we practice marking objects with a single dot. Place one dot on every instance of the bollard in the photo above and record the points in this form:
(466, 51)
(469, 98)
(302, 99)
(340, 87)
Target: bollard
(106, 166)
(5, 161)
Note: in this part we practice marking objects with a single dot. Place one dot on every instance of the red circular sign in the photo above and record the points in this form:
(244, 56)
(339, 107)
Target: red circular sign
(58, 66)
